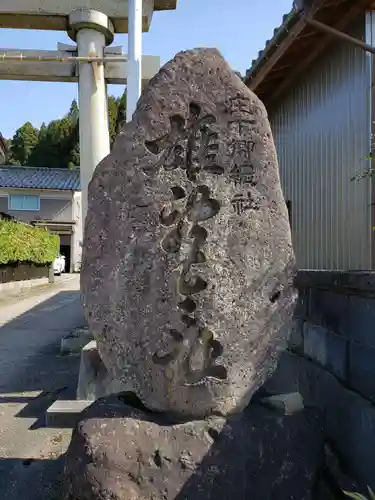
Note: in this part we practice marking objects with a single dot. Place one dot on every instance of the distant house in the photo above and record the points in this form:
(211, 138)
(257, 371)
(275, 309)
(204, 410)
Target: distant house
(319, 92)
(3, 150)
(49, 198)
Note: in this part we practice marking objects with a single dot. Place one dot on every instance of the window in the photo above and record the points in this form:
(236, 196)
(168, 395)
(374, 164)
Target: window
(29, 203)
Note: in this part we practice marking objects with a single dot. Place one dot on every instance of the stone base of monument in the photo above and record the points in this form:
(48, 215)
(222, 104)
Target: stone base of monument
(123, 452)
(94, 380)
(289, 403)
(65, 413)
(75, 341)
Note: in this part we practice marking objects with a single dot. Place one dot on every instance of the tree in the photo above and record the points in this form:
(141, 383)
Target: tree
(23, 143)
(116, 115)
(57, 144)
(112, 118)
(74, 110)
(121, 112)
(74, 158)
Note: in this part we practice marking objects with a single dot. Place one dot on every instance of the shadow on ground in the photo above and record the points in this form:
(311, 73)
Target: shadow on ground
(27, 479)
(34, 374)
(45, 371)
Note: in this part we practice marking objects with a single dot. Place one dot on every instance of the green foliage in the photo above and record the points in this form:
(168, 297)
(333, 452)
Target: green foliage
(23, 243)
(358, 496)
(56, 145)
(121, 112)
(112, 117)
(23, 143)
(116, 115)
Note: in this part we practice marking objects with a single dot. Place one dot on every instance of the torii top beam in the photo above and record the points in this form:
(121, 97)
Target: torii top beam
(54, 14)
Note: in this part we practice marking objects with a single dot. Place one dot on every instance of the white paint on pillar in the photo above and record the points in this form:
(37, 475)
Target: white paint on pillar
(135, 56)
(93, 115)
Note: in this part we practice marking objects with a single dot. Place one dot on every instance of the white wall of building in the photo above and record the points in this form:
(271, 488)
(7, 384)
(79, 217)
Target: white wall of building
(77, 236)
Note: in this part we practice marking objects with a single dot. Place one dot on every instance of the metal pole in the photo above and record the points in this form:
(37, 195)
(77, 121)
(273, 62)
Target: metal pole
(63, 59)
(93, 117)
(332, 31)
(133, 89)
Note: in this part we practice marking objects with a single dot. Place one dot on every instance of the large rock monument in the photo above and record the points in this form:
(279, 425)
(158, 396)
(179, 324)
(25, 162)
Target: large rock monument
(188, 267)
(187, 283)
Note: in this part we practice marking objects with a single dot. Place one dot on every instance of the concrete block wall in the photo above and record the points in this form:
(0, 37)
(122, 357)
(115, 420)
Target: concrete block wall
(331, 361)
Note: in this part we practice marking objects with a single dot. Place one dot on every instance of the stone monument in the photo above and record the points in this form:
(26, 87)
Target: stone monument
(188, 267)
(187, 284)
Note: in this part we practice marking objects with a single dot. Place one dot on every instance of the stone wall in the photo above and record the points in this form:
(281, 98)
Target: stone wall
(331, 362)
(23, 276)
(23, 271)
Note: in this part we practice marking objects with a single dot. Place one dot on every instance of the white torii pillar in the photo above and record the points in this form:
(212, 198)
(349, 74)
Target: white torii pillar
(134, 85)
(92, 31)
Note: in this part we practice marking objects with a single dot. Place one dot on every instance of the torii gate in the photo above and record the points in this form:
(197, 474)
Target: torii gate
(91, 24)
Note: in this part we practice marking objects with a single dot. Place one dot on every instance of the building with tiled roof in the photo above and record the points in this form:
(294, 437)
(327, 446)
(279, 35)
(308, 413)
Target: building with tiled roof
(46, 197)
(60, 179)
(319, 93)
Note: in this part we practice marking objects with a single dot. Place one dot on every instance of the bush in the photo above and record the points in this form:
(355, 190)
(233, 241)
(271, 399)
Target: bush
(23, 243)
(358, 496)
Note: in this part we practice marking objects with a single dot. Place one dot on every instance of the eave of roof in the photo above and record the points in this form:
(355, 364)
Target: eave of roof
(279, 35)
(295, 45)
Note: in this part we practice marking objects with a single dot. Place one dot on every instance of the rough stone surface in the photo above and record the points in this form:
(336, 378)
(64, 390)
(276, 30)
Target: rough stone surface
(188, 266)
(120, 453)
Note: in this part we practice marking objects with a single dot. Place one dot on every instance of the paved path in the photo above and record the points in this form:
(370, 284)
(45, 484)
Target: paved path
(32, 375)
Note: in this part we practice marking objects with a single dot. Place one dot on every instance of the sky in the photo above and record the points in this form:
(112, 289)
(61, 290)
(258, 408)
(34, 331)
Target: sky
(238, 28)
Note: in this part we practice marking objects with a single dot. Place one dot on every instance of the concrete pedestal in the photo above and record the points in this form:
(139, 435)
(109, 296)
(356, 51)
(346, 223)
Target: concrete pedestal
(94, 381)
(75, 341)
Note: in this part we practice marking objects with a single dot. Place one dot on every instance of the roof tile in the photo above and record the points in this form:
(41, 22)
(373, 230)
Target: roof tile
(40, 178)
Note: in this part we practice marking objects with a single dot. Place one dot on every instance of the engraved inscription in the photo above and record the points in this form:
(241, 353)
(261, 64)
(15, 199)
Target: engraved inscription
(195, 351)
(238, 104)
(199, 206)
(244, 201)
(200, 362)
(191, 144)
(241, 152)
(241, 129)
(242, 107)
(241, 149)
(243, 175)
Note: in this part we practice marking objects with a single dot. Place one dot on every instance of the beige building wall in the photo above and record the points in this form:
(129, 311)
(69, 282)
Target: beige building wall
(54, 205)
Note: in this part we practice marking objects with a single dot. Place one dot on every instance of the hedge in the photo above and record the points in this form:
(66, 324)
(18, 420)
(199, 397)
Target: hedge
(24, 243)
